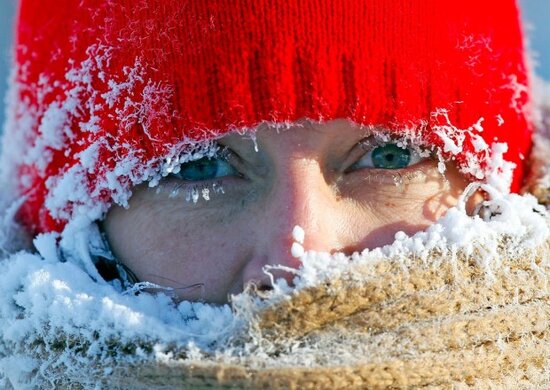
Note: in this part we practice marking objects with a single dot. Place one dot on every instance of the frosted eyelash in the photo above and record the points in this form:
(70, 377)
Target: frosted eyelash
(377, 140)
(191, 192)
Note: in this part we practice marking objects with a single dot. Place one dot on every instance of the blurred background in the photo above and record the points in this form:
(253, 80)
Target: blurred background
(536, 14)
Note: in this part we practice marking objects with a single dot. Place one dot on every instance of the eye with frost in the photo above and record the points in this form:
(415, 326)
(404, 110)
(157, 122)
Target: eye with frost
(206, 168)
(388, 156)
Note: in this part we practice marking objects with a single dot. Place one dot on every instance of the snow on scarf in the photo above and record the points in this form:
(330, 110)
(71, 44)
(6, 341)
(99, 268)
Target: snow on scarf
(464, 303)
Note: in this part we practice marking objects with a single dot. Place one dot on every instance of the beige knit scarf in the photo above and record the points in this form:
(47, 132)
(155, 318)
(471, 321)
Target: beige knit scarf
(440, 323)
(444, 321)
(450, 318)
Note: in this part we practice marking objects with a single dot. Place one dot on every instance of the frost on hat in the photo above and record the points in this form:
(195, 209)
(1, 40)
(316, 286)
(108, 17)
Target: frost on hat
(106, 95)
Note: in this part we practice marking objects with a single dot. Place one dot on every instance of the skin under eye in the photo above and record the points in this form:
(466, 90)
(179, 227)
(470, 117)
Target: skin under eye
(206, 168)
(389, 156)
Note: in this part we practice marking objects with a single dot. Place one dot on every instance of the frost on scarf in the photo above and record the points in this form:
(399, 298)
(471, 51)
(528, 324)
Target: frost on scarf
(62, 324)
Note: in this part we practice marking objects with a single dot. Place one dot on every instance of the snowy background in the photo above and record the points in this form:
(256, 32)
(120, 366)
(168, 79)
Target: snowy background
(535, 12)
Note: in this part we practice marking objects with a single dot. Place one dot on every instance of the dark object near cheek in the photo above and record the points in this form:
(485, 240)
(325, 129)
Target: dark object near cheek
(112, 270)
(107, 265)
(107, 269)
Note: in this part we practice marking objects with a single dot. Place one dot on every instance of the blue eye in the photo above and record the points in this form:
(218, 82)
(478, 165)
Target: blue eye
(206, 168)
(389, 156)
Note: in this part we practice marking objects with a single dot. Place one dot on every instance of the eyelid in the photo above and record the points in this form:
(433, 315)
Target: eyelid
(224, 168)
(416, 173)
(357, 152)
(177, 186)
(233, 159)
(249, 169)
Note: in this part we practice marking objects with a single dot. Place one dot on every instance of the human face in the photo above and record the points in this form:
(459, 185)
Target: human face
(317, 176)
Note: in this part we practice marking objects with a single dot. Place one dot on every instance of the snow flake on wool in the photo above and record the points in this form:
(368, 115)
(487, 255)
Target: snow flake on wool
(44, 300)
(476, 46)
(520, 91)
(518, 218)
(483, 161)
(21, 119)
(131, 99)
(57, 118)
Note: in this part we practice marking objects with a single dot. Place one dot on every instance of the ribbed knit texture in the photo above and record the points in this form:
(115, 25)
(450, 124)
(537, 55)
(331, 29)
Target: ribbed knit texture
(153, 74)
(401, 323)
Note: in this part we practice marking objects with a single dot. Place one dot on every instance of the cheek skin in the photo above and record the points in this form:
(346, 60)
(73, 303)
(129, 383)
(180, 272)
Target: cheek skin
(205, 250)
(377, 212)
(166, 243)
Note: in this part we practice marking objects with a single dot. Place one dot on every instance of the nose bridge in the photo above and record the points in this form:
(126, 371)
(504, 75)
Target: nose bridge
(301, 196)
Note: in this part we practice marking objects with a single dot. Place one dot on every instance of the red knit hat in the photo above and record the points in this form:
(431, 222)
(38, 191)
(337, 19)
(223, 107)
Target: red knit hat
(108, 94)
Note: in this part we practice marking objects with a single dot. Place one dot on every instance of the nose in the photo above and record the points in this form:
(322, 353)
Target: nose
(299, 196)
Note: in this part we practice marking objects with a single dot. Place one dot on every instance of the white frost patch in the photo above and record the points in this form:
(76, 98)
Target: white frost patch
(500, 171)
(454, 139)
(519, 92)
(297, 250)
(298, 234)
(520, 218)
(48, 302)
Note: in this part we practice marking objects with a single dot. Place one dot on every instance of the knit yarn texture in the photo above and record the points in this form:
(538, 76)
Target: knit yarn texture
(464, 304)
(107, 95)
(438, 322)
